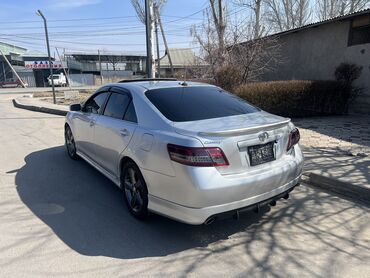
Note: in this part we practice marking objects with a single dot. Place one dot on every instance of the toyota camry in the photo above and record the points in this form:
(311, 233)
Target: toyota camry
(190, 151)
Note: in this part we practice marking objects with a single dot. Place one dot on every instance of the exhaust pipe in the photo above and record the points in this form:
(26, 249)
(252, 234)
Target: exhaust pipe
(210, 220)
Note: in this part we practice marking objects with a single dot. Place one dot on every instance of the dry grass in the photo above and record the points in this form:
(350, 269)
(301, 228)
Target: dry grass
(48, 97)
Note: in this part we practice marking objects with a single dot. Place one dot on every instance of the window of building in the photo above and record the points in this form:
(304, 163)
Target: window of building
(360, 30)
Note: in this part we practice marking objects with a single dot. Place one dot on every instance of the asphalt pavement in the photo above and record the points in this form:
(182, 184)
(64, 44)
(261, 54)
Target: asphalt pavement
(62, 218)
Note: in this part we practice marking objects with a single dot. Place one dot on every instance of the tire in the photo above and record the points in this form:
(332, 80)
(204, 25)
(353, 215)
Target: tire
(135, 190)
(70, 143)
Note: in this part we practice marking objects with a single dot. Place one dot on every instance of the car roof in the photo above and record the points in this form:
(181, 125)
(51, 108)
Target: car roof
(151, 84)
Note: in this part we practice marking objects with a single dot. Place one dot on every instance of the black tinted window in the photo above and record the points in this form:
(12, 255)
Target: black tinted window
(117, 105)
(131, 113)
(197, 103)
(95, 105)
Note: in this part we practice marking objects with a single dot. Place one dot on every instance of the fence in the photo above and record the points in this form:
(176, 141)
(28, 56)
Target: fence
(84, 79)
(28, 78)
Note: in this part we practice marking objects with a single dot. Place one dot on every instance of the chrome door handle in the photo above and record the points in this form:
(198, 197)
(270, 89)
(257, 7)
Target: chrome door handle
(124, 132)
(92, 123)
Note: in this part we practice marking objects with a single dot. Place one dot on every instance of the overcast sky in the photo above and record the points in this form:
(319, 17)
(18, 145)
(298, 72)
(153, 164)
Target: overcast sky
(88, 25)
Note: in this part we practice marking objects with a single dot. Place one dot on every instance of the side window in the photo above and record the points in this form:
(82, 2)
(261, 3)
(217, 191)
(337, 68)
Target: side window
(117, 105)
(131, 113)
(359, 31)
(95, 105)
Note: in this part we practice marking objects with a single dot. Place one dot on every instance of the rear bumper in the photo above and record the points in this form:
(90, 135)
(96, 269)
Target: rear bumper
(197, 216)
(202, 187)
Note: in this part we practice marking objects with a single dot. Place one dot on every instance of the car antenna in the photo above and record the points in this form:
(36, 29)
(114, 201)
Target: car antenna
(184, 82)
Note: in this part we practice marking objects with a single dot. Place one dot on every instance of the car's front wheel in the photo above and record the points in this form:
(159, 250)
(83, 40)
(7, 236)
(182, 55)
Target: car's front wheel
(135, 190)
(70, 143)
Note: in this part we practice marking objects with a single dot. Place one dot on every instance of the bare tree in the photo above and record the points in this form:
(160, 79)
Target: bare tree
(218, 15)
(331, 8)
(252, 57)
(211, 35)
(351, 6)
(139, 6)
(245, 57)
(256, 7)
(206, 36)
(288, 14)
(328, 8)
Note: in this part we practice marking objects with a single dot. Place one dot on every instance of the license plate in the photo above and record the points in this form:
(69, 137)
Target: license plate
(260, 154)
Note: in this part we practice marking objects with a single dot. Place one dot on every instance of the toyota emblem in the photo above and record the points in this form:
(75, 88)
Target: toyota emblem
(263, 136)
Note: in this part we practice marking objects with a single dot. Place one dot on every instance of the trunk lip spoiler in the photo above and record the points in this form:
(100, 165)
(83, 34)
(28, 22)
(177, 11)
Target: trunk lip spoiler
(245, 130)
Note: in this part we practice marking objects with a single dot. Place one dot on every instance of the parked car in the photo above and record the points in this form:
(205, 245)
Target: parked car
(189, 151)
(59, 80)
(11, 83)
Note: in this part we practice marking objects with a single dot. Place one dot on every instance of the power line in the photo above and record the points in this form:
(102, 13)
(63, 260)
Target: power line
(89, 43)
(92, 19)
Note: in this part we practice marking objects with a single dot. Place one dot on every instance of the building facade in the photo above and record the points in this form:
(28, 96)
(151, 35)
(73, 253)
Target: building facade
(313, 52)
(13, 55)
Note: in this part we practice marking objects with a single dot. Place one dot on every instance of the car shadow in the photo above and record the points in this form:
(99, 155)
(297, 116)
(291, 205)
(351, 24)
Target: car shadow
(88, 213)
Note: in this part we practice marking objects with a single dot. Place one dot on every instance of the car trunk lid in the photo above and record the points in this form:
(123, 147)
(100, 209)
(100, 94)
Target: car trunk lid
(235, 135)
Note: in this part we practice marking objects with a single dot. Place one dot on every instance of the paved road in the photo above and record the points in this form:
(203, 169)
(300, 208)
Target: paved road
(5, 91)
(62, 218)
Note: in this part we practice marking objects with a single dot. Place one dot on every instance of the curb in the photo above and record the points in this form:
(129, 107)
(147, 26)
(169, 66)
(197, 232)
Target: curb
(339, 187)
(42, 109)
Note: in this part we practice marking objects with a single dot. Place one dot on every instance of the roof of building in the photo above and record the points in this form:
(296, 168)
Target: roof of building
(34, 53)
(181, 57)
(105, 55)
(12, 45)
(322, 22)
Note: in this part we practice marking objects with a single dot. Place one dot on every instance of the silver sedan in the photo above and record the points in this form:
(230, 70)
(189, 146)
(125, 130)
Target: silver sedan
(189, 151)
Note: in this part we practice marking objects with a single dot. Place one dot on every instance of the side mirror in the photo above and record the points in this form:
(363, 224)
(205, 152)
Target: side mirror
(75, 107)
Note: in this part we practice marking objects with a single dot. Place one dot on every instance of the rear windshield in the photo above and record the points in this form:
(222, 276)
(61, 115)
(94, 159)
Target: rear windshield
(197, 103)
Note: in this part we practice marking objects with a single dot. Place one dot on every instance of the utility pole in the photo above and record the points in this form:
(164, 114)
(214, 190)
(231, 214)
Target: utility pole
(101, 75)
(222, 24)
(149, 37)
(48, 47)
(164, 40)
(64, 70)
(152, 29)
(157, 41)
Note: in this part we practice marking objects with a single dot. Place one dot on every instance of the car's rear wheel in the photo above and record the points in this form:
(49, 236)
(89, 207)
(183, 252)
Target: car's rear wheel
(70, 143)
(135, 190)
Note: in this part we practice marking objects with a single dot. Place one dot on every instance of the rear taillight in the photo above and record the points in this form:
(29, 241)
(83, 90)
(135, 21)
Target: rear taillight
(294, 137)
(201, 157)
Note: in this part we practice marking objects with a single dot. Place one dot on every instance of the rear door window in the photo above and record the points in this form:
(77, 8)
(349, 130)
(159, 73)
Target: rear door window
(117, 105)
(197, 103)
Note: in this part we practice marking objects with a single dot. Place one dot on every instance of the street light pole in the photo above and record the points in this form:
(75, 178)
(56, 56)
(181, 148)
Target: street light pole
(49, 56)
(149, 50)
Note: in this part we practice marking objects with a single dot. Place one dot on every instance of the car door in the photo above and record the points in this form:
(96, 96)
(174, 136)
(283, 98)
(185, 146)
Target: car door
(85, 123)
(114, 130)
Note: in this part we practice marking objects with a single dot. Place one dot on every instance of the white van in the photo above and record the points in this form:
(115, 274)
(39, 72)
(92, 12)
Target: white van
(59, 80)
